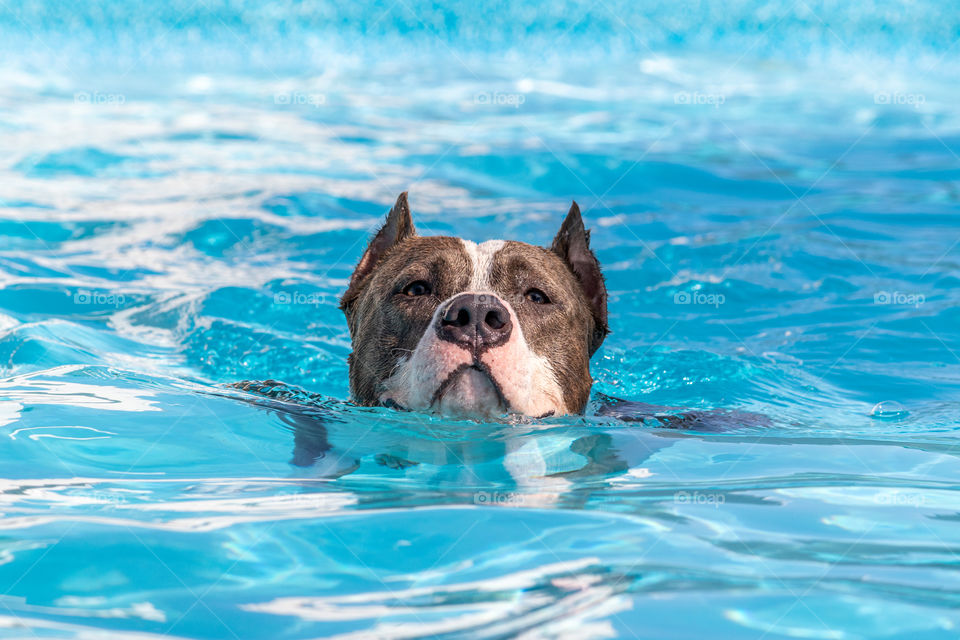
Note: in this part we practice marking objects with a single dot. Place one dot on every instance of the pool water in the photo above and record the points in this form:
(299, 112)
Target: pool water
(773, 193)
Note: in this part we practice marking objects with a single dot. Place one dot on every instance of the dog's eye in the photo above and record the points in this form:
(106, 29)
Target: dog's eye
(418, 288)
(537, 296)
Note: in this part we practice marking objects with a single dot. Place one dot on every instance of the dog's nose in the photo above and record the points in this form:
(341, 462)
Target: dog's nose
(476, 321)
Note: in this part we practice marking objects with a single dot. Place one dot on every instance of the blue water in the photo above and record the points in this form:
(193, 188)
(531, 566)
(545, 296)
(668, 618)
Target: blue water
(773, 191)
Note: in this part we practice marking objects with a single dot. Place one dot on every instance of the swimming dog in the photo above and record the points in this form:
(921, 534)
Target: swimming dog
(499, 329)
(444, 325)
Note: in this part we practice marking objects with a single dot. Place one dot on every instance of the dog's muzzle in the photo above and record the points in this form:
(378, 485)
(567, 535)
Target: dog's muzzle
(475, 322)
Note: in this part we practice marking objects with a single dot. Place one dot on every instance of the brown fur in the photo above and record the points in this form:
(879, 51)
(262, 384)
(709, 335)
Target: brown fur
(559, 331)
(386, 326)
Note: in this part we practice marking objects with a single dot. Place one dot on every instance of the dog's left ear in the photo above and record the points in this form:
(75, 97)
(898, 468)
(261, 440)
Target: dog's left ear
(573, 245)
(398, 227)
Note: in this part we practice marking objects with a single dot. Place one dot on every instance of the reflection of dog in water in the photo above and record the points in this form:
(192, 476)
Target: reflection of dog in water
(530, 459)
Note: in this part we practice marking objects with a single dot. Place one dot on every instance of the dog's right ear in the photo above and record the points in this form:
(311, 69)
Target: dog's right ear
(398, 227)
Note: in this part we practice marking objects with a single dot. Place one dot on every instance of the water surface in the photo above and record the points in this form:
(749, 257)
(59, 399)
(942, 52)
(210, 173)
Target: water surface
(773, 194)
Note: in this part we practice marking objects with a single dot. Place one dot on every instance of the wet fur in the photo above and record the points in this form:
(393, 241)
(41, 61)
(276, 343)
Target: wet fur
(545, 367)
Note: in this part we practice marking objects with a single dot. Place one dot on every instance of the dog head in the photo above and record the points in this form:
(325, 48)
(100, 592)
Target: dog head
(475, 330)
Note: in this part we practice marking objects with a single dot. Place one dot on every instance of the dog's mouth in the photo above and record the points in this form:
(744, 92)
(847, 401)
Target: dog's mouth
(474, 384)
(480, 396)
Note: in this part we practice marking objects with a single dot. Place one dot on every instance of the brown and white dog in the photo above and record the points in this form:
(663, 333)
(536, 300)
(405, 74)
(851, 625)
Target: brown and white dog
(445, 325)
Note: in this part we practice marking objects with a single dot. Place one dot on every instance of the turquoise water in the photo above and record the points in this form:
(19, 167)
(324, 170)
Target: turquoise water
(773, 191)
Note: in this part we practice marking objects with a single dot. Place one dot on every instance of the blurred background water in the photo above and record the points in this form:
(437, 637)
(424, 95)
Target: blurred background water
(773, 188)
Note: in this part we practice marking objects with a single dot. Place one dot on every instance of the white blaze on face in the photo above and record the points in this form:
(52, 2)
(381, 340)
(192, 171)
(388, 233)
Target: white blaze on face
(522, 381)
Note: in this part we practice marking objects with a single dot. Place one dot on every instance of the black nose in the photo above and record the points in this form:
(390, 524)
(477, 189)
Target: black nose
(476, 321)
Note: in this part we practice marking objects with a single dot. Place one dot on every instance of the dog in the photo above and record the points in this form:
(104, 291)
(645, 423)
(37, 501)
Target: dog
(447, 326)
(485, 331)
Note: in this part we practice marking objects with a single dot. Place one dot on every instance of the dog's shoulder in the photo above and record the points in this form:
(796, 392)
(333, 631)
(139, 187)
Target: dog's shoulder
(709, 420)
